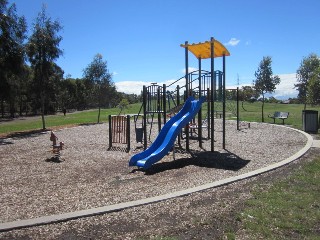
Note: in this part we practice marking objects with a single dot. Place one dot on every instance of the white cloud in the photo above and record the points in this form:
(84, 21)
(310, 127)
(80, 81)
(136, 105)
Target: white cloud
(131, 86)
(190, 69)
(136, 87)
(233, 42)
(284, 90)
(286, 87)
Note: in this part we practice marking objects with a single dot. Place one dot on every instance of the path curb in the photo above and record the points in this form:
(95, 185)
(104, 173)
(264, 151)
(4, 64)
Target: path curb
(121, 206)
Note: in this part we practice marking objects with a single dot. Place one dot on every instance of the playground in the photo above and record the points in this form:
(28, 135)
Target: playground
(101, 165)
(90, 176)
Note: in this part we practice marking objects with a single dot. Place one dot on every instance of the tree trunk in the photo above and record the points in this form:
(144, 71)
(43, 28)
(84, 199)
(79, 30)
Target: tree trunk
(262, 109)
(99, 103)
(99, 114)
(20, 105)
(2, 108)
(243, 106)
(42, 112)
(305, 101)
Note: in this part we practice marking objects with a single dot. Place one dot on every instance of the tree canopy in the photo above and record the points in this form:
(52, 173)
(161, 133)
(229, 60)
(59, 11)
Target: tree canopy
(98, 76)
(30, 79)
(12, 36)
(313, 89)
(308, 71)
(42, 50)
(265, 81)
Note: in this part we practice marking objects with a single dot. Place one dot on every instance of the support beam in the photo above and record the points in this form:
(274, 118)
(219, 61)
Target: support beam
(224, 102)
(200, 111)
(212, 93)
(187, 91)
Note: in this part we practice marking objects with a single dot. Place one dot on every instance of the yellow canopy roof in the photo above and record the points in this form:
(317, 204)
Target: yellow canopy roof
(202, 50)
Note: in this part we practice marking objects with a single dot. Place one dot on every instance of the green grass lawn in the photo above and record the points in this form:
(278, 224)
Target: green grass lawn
(75, 118)
(249, 112)
(253, 112)
(290, 209)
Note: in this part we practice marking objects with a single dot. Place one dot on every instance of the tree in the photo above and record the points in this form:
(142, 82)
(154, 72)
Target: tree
(12, 36)
(306, 70)
(99, 78)
(247, 93)
(43, 49)
(313, 88)
(265, 82)
(123, 105)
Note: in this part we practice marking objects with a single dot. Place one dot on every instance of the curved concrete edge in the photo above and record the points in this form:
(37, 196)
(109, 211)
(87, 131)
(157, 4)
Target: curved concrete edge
(121, 206)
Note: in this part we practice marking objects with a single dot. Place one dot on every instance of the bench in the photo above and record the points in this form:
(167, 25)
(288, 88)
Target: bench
(279, 115)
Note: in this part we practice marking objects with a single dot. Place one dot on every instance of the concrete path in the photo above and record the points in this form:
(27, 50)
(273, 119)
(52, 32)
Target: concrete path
(316, 143)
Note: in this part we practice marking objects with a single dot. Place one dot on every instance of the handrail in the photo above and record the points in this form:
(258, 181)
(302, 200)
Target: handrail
(190, 74)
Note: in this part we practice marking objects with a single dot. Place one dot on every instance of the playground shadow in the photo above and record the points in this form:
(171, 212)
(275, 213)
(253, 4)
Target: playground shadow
(4, 141)
(118, 149)
(23, 134)
(55, 160)
(217, 160)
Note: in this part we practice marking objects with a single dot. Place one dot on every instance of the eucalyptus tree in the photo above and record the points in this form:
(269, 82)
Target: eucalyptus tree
(42, 50)
(97, 74)
(12, 35)
(265, 82)
(307, 70)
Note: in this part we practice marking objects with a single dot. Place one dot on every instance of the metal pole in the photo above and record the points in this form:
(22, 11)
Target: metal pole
(187, 67)
(187, 89)
(164, 97)
(159, 108)
(178, 103)
(208, 112)
(224, 103)
(200, 111)
(238, 117)
(212, 93)
(144, 102)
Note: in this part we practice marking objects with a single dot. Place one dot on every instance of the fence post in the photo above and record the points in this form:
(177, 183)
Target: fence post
(110, 133)
(128, 132)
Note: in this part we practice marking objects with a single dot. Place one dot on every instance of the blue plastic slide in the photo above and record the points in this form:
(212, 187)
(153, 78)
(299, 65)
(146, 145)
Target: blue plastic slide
(165, 140)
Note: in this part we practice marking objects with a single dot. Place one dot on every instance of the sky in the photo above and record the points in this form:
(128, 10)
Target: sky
(140, 40)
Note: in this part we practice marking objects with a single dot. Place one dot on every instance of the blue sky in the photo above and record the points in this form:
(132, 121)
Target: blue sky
(141, 39)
